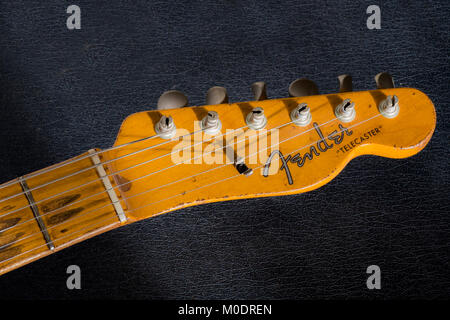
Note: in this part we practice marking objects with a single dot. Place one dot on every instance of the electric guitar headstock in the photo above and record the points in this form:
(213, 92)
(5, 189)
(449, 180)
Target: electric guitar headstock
(224, 151)
(180, 156)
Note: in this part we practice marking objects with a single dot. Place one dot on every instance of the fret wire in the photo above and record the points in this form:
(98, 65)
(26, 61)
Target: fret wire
(18, 240)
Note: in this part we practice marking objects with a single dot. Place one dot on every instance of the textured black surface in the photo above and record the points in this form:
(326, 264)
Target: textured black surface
(63, 92)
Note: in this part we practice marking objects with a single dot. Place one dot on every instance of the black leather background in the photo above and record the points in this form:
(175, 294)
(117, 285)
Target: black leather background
(63, 92)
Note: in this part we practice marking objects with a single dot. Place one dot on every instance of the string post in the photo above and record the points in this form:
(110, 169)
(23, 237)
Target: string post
(301, 115)
(256, 119)
(166, 128)
(345, 111)
(389, 107)
(211, 123)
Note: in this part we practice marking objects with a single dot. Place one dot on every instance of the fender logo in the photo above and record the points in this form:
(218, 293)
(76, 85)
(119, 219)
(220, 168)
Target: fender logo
(334, 138)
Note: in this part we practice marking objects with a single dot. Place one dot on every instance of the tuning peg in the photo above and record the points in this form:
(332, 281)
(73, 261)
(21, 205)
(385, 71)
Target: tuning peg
(172, 99)
(384, 80)
(259, 90)
(303, 87)
(345, 111)
(345, 83)
(256, 119)
(216, 95)
(166, 128)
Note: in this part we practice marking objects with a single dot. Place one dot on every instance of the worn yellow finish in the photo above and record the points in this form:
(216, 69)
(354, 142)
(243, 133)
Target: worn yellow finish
(70, 213)
(155, 181)
(400, 137)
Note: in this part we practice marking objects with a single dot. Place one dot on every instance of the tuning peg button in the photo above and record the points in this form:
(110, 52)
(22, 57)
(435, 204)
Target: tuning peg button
(303, 87)
(384, 81)
(345, 83)
(216, 95)
(172, 99)
(259, 90)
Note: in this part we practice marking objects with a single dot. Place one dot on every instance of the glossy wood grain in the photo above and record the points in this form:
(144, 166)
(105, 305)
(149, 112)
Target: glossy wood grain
(70, 213)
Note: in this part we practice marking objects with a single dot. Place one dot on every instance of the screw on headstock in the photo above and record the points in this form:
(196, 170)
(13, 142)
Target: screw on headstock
(301, 115)
(166, 128)
(256, 119)
(389, 107)
(345, 111)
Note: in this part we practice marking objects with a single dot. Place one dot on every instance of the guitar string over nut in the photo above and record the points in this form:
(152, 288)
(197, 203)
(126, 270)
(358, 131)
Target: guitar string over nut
(301, 115)
(211, 124)
(256, 119)
(166, 128)
(389, 107)
(345, 111)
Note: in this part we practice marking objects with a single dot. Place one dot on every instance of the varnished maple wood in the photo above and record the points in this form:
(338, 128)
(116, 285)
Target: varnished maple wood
(70, 214)
(151, 182)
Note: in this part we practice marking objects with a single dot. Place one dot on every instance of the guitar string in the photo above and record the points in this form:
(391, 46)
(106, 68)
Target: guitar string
(204, 186)
(71, 204)
(113, 173)
(89, 168)
(238, 175)
(69, 234)
(145, 176)
(93, 166)
(100, 179)
(67, 162)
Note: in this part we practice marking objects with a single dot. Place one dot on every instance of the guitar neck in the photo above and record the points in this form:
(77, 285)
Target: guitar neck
(54, 208)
